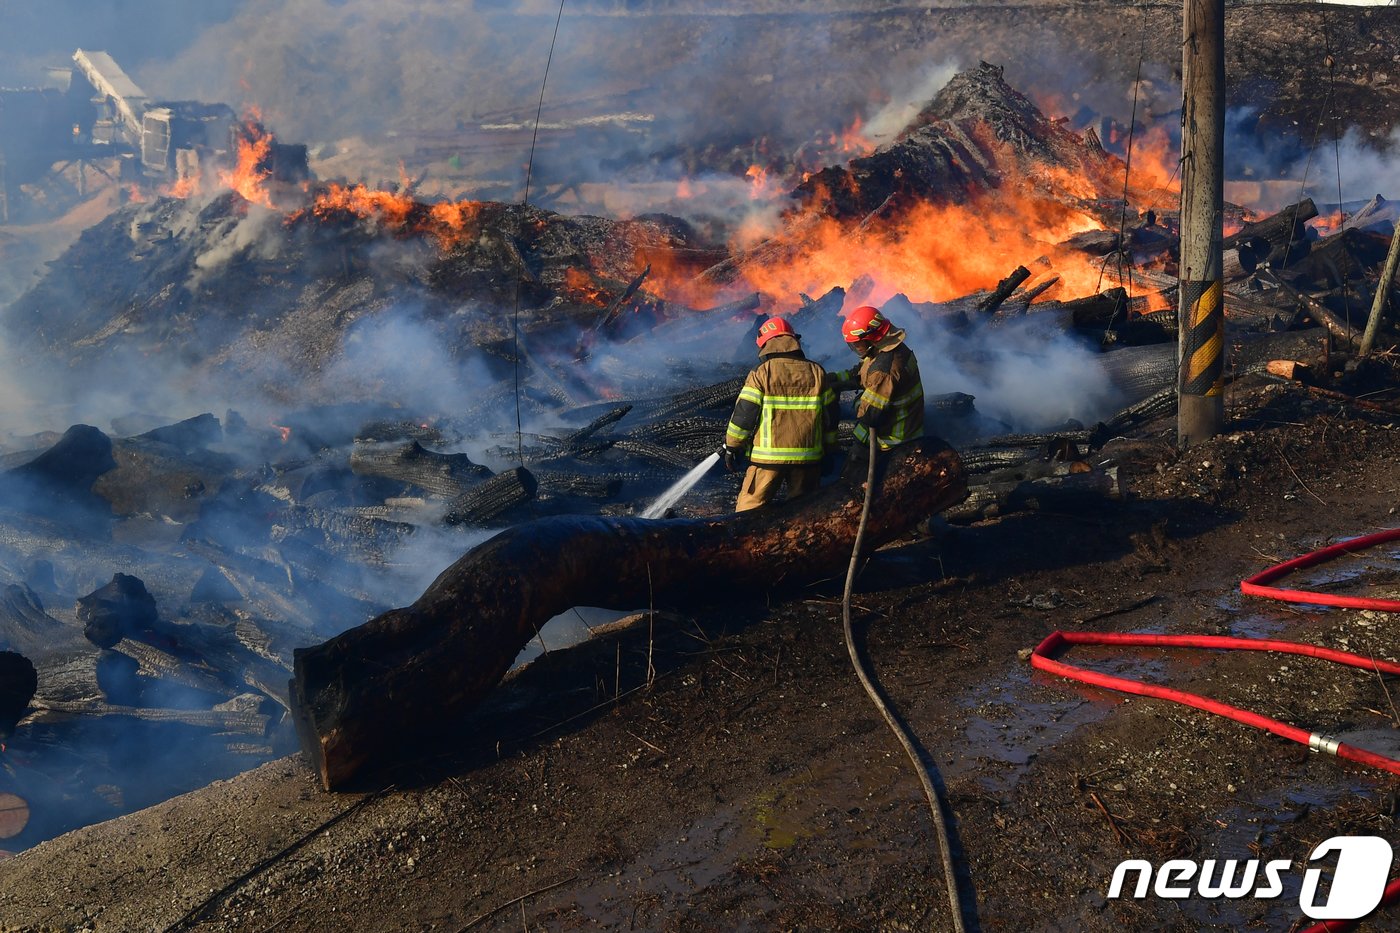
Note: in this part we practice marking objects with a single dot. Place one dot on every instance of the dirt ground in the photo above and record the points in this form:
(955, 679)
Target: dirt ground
(749, 784)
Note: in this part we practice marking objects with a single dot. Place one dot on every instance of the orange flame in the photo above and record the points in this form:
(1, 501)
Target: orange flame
(929, 252)
(851, 142)
(448, 222)
(1155, 165)
(249, 175)
(186, 187)
(1328, 224)
(582, 286)
(758, 183)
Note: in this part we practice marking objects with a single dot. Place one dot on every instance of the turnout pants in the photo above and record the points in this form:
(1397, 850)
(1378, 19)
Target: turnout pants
(761, 483)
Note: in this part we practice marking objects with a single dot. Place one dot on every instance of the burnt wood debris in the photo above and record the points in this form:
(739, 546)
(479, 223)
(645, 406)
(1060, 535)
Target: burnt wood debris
(182, 574)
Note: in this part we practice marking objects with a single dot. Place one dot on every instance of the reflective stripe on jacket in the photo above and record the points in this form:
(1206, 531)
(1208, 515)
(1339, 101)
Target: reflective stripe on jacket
(784, 412)
(892, 400)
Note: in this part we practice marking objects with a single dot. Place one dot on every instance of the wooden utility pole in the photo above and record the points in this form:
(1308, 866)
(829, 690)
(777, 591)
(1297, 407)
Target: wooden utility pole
(1373, 324)
(1201, 404)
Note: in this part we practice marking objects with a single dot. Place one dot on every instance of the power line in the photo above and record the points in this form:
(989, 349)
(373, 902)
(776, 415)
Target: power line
(524, 206)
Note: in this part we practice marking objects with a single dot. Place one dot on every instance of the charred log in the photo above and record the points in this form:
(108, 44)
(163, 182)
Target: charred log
(1072, 492)
(575, 438)
(446, 475)
(191, 434)
(1339, 260)
(1280, 233)
(609, 316)
(658, 454)
(18, 681)
(720, 395)
(559, 483)
(121, 607)
(1154, 406)
(691, 434)
(369, 692)
(1252, 354)
(1098, 312)
(498, 494)
(63, 474)
(986, 459)
(1003, 290)
(24, 625)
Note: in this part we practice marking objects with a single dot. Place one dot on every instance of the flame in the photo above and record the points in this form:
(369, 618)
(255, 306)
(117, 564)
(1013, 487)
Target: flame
(1328, 224)
(186, 187)
(930, 252)
(284, 431)
(583, 287)
(1156, 162)
(758, 183)
(683, 190)
(134, 194)
(388, 208)
(449, 222)
(851, 142)
(249, 175)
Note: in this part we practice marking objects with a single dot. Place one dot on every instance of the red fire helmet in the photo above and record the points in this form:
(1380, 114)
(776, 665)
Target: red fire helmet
(772, 328)
(865, 323)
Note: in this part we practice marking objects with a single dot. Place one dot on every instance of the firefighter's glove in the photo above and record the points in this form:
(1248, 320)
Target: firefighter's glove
(733, 458)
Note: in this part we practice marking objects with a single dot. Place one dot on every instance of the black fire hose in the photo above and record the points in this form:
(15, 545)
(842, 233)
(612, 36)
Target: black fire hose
(935, 803)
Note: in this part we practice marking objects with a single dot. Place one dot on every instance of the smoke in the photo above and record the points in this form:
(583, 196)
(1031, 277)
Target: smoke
(889, 120)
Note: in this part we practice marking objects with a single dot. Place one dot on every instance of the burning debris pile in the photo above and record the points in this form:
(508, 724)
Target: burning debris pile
(414, 373)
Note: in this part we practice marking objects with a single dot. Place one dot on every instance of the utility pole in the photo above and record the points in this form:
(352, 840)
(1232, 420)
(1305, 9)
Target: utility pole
(1201, 341)
(1373, 324)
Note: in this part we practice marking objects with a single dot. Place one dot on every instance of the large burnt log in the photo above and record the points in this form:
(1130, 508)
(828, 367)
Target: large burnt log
(447, 475)
(368, 694)
(1278, 239)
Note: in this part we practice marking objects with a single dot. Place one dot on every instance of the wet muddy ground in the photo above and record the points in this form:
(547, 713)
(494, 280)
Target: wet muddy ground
(725, 770)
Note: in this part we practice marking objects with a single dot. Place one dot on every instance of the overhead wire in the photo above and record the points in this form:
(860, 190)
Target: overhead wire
(524, 205)
(1127, 170)
(1128, 161)
(1337, 155)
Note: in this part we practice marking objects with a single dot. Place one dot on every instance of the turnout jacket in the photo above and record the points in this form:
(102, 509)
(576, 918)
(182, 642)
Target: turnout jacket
(892, 400)
(786, 412)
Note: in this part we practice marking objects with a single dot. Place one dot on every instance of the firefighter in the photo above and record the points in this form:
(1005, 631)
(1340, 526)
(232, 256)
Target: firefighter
(784, 421)
(892, 399)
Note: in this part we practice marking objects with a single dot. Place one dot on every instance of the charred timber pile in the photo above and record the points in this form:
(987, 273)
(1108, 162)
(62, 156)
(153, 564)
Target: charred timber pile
(974, 134)
(977, 134)
(291, 287)
(376, 689)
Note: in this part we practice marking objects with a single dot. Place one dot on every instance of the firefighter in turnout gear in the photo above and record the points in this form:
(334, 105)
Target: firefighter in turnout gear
(891, 402)
(784, 422)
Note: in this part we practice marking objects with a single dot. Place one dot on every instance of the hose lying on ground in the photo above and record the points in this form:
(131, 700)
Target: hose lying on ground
(1040, 659)
(934, 802)
(1256, 585)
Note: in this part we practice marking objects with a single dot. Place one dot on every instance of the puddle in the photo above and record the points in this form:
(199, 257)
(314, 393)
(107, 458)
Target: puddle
(1006, 730)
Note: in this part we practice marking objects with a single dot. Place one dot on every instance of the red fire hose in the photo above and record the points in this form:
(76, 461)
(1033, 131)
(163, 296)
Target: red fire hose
(1040, 659)
(1255, 585)
(1315, 741)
